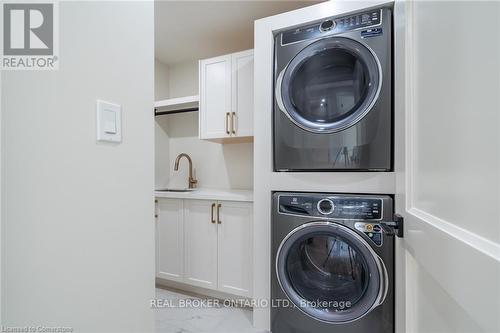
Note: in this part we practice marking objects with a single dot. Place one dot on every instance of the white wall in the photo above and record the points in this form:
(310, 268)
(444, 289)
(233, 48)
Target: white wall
(162, 91)
(161, 80)
(78, 226)
(183, 79)
(220, 166)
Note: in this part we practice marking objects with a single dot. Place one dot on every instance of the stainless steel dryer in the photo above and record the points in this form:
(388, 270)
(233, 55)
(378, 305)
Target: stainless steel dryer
(332, 263)
(333, 94)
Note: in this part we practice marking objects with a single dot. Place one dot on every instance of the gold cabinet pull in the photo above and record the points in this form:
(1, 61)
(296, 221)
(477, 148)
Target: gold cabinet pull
(218, 211)
(233, 126)
(212, 213)
(227, 122)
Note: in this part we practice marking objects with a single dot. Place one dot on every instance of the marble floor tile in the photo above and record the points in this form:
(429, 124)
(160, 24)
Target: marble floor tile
(207, 319)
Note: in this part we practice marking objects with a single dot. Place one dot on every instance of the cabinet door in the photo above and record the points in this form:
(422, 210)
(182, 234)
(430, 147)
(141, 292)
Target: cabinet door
(242, 93)
(200, 243)
(215, 97)
(235, 248)
(169, 239)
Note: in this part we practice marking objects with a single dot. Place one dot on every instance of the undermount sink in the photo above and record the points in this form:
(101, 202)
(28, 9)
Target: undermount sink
(175, 189)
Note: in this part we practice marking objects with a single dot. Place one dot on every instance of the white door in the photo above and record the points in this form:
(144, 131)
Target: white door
(235, 247)
(215, 97)
(200, 243)
(448, 164)
(242, 93)
(169, 239)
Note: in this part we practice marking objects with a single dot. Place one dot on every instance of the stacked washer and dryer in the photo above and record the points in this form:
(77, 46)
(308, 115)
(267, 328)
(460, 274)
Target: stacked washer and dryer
(332, 254)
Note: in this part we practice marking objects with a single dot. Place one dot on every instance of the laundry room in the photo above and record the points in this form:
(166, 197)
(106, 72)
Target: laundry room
(250, 166)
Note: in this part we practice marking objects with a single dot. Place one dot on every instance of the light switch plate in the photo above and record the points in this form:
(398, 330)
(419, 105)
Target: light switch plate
(109, 122)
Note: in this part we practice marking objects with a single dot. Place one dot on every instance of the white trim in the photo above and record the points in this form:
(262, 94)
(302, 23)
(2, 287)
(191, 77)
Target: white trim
(409, 105)
(475, 241)
(1, 256)
(399, 61)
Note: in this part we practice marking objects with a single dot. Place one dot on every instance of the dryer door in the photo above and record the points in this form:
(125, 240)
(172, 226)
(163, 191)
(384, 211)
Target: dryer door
(330, 272)
(330, 85)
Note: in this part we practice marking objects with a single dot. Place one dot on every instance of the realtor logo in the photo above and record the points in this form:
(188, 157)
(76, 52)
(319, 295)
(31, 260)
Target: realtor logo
(29, 36)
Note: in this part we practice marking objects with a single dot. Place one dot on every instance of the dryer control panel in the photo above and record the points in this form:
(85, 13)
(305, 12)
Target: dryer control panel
(333, 25)
(333, 207)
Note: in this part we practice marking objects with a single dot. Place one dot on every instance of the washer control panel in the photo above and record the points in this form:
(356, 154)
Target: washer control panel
(332, 207)
(371, 230)
(332, 25)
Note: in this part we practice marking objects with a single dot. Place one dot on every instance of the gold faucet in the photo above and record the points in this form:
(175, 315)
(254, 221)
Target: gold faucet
(192, 180)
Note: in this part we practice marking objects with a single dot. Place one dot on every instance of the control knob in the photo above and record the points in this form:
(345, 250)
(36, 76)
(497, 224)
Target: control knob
(325, 206)
(327, 25)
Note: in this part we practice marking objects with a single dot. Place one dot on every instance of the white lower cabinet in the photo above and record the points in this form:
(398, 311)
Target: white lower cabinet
(206, 243)
(170, 239)
(235, 248)
(200, 244)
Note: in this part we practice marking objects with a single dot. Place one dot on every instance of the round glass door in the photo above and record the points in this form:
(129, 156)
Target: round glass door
(330, 85)
(330, 273)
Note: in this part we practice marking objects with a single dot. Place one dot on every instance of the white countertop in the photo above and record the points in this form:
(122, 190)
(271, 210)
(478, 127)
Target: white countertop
(209, 194)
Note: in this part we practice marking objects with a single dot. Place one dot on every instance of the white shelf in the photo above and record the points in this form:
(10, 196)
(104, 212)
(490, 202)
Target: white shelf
(173, 104)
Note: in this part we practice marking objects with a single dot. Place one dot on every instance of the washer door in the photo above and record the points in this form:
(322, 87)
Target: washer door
(330, 85)
(330, 272)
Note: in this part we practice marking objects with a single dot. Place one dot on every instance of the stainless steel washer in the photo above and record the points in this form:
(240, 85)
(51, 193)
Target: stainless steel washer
(332, 265)
(333, 94)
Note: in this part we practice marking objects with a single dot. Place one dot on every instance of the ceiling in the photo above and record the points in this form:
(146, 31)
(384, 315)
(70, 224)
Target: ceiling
(191, 30)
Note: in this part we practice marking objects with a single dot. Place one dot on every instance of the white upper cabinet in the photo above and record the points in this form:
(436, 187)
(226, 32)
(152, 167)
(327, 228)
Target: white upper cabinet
(226, 96)
(242, 93)
(215, 97)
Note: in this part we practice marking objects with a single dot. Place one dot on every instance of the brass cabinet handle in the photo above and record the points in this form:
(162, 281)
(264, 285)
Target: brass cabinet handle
(233, 115)
(227, 121)
(218, 210)
(212, 213)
